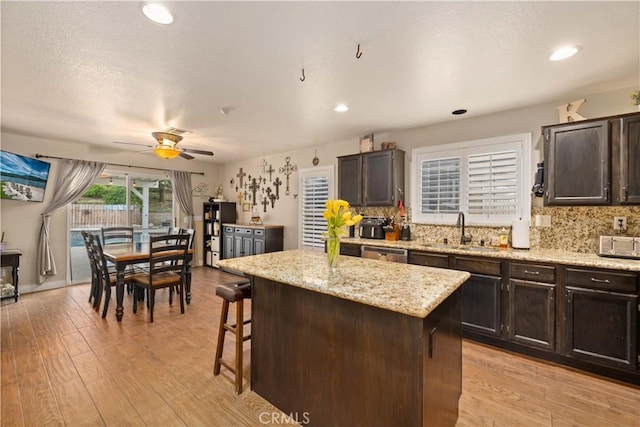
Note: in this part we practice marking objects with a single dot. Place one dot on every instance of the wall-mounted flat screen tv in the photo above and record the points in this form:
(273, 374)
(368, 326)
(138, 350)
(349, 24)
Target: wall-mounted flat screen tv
(22, 178)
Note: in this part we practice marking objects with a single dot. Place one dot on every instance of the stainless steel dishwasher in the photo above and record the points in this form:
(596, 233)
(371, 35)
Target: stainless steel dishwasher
(385, 254)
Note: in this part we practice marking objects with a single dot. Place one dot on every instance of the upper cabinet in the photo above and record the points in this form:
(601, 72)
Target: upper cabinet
(375, 178)
(627, 150)
(593, 162)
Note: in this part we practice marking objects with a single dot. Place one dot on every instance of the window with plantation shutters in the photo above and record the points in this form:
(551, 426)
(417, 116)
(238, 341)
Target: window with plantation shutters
(316, 187)
(486, 179)
(440, 185)
(492, 183)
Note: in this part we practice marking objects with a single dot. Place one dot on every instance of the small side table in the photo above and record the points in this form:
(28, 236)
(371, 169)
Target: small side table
(11, 258)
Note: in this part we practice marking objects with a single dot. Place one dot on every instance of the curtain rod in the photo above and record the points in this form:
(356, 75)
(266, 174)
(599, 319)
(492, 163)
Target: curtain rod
(42, 156)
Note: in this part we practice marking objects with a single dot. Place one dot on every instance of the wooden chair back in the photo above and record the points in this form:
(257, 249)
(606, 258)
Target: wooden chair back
(111, 235)
(168, 254)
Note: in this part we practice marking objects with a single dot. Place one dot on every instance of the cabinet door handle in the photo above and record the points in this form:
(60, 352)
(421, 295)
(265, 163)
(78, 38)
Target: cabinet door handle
(535, 273)
(625, 194)
(432, 339)
(593, 279)
(606, 193)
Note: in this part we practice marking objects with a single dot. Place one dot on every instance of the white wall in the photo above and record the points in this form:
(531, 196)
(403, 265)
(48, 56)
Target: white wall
(21, 220)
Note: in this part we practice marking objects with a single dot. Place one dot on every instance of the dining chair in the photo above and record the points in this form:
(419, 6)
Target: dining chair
(86, 238)
(111, 235)
(107, 277)
(168, 258)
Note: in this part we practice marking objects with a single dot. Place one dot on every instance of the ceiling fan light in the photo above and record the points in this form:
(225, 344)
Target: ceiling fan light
(166, 152)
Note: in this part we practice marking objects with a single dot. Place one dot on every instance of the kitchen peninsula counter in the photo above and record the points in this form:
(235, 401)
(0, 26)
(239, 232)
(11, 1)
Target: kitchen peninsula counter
(372, 343)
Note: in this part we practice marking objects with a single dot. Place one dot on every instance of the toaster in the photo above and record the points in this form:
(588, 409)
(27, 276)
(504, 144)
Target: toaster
(620, 247)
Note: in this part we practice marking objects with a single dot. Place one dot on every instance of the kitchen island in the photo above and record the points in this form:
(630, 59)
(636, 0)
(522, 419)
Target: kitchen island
(371, 343)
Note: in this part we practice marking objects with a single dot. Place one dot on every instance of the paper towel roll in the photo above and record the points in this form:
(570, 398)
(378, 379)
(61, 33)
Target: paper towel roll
(520, 234)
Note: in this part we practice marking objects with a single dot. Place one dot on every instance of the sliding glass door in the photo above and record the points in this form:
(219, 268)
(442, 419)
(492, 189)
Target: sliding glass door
(142, 201)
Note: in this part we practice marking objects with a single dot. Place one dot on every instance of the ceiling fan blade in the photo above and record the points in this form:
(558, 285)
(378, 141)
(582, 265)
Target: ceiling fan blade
(133, 143)
(186, 156)
(191, 150)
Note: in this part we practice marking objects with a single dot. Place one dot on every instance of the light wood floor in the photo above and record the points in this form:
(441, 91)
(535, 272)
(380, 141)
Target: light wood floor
(62, 364)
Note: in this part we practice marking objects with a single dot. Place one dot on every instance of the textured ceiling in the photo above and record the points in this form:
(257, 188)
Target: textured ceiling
(98, 72)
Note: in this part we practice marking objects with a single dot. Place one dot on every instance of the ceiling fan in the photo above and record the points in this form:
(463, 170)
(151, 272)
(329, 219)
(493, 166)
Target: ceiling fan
(167, 148)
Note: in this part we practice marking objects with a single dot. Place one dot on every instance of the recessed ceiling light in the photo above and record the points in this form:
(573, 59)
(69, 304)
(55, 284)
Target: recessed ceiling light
(458, 112)
(341, 108)
(157, 13)
(564, 53)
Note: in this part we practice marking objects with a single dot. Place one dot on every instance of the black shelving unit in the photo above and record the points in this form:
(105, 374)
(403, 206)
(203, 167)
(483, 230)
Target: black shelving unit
(214, 215)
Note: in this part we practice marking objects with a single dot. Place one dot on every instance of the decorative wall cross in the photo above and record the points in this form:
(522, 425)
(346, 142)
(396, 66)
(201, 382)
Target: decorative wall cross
(254, 187)
(272, 198)
(271, 170)
(277, 183)
(265, 202)
(263, 165)
(287, 170)
(241, 176)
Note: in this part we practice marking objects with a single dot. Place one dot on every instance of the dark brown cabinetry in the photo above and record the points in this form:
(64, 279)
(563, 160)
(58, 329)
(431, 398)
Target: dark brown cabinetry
(371, 179)
(214, 214)
(532, 308)
(481, 296)
(582, 317)
(350, 179)
(349, 249)
(429, 259)
(577, 159)
(601, 311)
(626, 148)
(245, 240)
(593, 162)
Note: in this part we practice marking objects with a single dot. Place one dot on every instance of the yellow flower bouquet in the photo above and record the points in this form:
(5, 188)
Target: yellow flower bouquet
(338, 215)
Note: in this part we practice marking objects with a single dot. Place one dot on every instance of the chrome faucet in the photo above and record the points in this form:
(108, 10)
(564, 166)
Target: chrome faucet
(460, 224)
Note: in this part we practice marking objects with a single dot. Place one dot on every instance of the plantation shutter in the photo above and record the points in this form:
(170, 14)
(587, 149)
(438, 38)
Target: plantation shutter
(492, 180)
(440, 185)
(315, 193)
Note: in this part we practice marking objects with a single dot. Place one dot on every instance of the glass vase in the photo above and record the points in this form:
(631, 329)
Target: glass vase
(333, 251)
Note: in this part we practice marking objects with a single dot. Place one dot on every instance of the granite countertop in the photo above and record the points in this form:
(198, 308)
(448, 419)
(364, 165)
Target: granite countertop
(534, 255)
(408, 289)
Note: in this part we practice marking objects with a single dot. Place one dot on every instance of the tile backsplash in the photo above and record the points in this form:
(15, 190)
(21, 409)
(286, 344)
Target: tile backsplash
(573, 228)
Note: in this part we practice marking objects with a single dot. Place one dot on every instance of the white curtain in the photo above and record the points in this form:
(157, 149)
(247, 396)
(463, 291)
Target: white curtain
(74, 178)
(181, 183)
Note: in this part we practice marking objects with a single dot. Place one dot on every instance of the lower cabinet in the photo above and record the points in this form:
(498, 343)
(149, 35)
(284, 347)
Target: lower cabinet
(481, 296)
(532, 305)
(245, 240)
(601, 315)
(579, 316)
(349, 249)
(481, 305)
(532, 313)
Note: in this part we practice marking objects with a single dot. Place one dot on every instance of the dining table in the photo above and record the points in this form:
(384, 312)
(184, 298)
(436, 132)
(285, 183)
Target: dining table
(123, 255)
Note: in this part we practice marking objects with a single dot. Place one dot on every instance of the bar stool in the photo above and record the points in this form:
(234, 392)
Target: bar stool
(230, 293)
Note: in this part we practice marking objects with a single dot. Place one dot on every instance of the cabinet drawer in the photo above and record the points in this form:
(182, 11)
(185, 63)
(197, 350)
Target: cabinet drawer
(536, 273)
(243, 231)
(477, 265)
(228, 230)
(429, 259)
(606, 280)
(258, 232)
